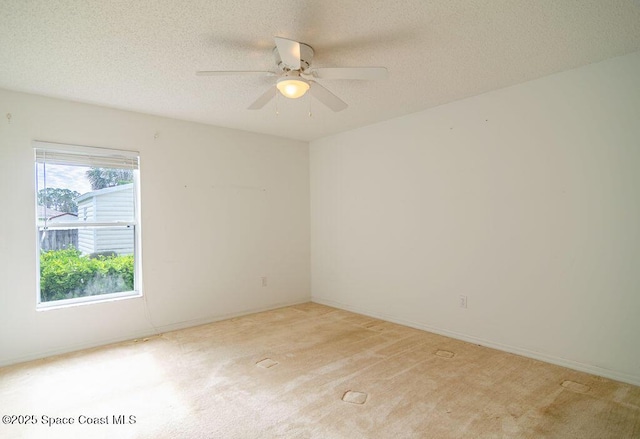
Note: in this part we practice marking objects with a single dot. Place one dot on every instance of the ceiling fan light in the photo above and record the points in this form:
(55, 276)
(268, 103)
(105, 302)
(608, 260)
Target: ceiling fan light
(292, 88)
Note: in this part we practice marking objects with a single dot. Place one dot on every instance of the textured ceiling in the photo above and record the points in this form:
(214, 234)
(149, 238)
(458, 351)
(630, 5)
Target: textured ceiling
(142, 55)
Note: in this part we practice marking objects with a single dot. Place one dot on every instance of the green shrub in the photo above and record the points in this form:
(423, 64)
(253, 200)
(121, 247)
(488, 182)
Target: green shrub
(65, 274)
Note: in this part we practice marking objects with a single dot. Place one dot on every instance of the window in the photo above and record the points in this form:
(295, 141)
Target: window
(87, 224)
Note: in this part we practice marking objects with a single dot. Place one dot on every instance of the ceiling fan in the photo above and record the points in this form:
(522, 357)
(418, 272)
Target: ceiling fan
(296, 76)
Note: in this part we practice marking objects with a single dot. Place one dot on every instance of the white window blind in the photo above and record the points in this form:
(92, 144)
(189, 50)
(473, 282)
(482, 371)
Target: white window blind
(57, 154)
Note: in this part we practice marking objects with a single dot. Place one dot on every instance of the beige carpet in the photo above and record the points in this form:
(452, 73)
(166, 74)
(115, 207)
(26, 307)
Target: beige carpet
(311, 371)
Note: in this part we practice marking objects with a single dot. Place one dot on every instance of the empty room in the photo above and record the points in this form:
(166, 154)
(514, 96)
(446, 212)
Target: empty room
(320, 219)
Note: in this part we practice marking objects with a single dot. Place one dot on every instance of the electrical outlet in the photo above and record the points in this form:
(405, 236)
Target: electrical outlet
(462, 301)
(264, 281)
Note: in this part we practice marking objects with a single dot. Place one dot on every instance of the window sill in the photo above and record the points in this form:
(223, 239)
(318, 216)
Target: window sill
(88, 300)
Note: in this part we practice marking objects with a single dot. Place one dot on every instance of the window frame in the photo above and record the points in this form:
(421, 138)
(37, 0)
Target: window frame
(90, 153)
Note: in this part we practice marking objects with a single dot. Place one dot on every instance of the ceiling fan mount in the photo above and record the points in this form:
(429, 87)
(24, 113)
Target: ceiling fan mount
(296, 76)
(306, 56)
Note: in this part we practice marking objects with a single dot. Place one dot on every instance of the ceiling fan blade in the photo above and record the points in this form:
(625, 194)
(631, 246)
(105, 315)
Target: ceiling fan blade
(262, 100)
(326, 97)
(289, 51)
(363, 73)
(234, 72)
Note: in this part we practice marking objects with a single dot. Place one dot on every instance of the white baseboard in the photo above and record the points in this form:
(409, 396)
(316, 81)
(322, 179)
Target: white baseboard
(150, 332)
(594, 370)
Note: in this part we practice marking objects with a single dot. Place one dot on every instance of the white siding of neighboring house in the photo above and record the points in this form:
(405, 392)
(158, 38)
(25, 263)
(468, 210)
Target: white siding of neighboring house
(86, 237)
(116, 205)
(111, 204)
(117, 240)
(86, 240)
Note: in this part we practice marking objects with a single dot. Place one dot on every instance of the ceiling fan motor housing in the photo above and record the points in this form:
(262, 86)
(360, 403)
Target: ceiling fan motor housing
(306, 56)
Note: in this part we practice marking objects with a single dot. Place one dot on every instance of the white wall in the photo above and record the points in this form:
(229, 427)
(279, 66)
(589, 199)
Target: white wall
(526, 199)
(220, 209)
